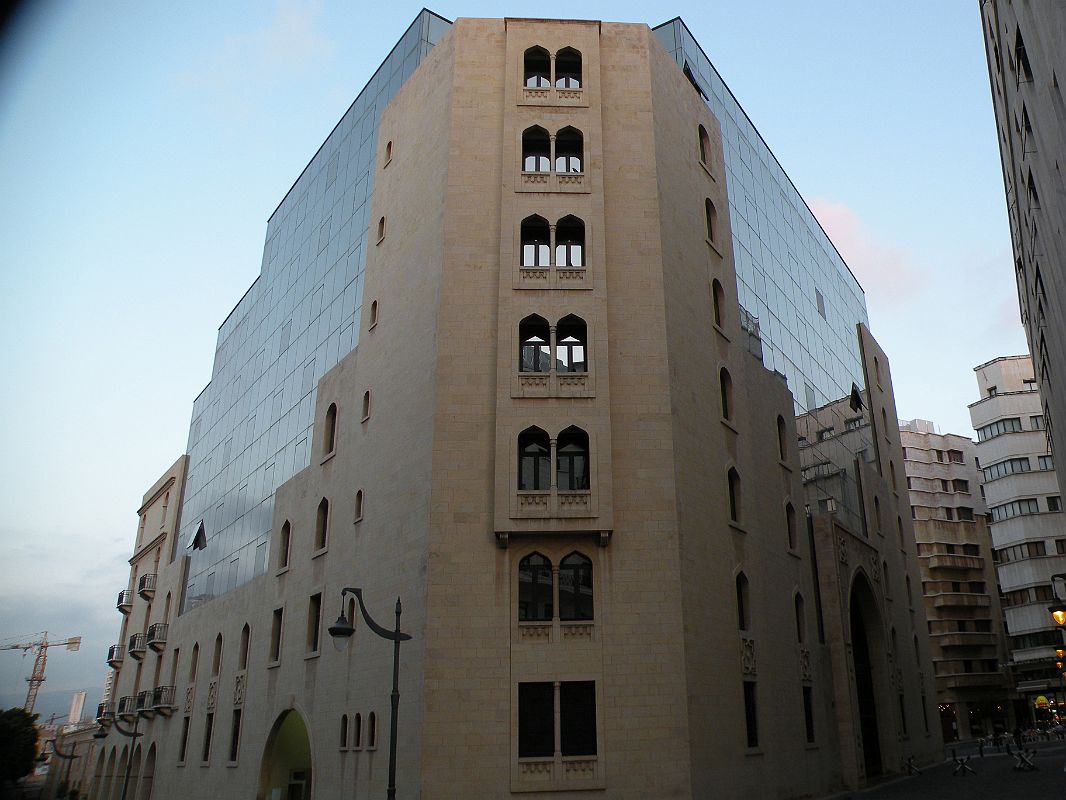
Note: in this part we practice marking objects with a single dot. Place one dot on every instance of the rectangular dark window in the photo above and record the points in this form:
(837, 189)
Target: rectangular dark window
(184, 739)
(235, 735)
(751, 720)
(314, 620)
(808, 713)
(577, 718)
(275, 635)
(536, 720)
(209, 724)
(903, 715)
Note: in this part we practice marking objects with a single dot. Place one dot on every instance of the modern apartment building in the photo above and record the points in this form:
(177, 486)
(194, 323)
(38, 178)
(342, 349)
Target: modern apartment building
(1025, 507)
(1027, 68)
(960, 588)
(527, 352)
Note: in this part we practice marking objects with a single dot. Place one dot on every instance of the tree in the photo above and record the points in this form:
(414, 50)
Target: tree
(18, 743)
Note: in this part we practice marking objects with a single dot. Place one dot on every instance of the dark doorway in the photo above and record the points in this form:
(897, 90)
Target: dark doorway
(861, 600)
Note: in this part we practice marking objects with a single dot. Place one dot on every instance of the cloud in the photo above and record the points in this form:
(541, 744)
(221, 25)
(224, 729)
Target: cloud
(289, 44)
(886, 272)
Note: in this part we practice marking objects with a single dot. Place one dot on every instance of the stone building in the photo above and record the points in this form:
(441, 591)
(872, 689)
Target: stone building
(1022, 494)
(960, 588)
(564, 442)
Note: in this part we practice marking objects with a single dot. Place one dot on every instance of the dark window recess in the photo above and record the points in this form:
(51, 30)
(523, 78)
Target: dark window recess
(751, 721)
(572, 459)
(535, 588)
(536, 720)
(577, 718)
(534, 460)
(575, 587)
(808, 713)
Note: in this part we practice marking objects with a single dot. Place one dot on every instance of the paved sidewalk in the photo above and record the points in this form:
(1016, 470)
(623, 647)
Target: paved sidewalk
(995, 779)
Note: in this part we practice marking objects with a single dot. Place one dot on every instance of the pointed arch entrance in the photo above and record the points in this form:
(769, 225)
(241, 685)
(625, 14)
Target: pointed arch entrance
(285, 771)
(867, 649)
(148, 775)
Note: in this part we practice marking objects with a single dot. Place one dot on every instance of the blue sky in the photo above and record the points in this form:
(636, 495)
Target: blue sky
(143, 146)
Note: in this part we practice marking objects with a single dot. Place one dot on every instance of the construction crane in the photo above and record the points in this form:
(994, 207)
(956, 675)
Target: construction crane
(39, 644)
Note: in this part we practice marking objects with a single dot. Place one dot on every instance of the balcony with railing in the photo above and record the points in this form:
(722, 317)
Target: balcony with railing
(146, 585)
(105, 713)
(157, 636)
(137, 646)
(115, 655)
(125, 601)
(127, 706)
(143, 704)
(163, 699)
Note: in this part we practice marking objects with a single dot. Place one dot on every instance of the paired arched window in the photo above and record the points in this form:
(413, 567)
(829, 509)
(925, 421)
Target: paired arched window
(733, 485)
(790, 525)
(537, 72)
(571, 344)
(726, 387)
(569, 150)
(322, 524)
(329, 431)
(705, 146)
(535, 590)
(801, 619)
(712, 220)
(534, 336)
(568, 69)
(534, 460)
(536, 242)
(572, 460)
(536, 150)
(743, 607)
(570, 242)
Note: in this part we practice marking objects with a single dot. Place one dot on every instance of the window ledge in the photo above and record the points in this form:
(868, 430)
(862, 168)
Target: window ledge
(328, 456)
(811, 746)
(232, 764)
(372, 325)
(281, 571)
(794, 553)
(754, 751)
(312, 654)
(720, 331)
(364, 419)
(730, 425)
(320, 552)
(204, 764)
(180, 764)
(274, 664)
(387, 162)
(379, 241)
(708, 170)
(357, 520)
(737, 527)
(784, 465)
(714, 247)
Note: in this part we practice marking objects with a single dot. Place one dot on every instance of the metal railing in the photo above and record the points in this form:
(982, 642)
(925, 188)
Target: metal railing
(125, 601)
(146, 584)
(157, 635)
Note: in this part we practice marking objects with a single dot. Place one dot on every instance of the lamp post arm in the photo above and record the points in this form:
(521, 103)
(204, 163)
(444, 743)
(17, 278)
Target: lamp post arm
(384, 633)
(61, 754)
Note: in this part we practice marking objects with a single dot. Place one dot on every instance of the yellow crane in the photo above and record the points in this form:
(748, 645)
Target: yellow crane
(38, 642)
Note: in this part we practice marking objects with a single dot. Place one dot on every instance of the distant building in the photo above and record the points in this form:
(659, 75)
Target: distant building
(959, 583)
(1025, 43)
(1025, 507)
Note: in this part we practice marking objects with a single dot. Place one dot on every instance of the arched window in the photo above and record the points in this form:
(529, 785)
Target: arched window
(733, 479)
(357, 734)
(892, 474)
(884, 423)
(536, 150)
(284, 544)
(743, 609)
(322, 524)
(372, 730)
(535, 354)
(726, 387)
(705, 146)
(790, 523)
(534, 460)
(712, 220)
(877, 513)
(910, 596)
(801, 619)
(884, 578)
(344, 731)
(242, 661)
(782, 438)
(373, 313)
(537, 74)
(329, 433)
(358, 505)
(534, 588)
(381, 229)
(388, 153)
(572, 462)
(568, 69)
(536, 242)
(899, 531)
(216, 662)
(194, 662)
(569, 150)
(575, 587)
(571, 342)
(366, 405)
(570, 242)
(917, 654)
(717, 299)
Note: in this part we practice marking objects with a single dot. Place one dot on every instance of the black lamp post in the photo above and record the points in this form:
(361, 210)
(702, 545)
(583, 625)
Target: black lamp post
(101, 733)
(342, 631)
(68, 758)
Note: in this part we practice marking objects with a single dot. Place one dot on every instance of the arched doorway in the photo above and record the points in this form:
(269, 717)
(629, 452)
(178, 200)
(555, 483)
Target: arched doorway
(109, 775)
(98, 777)
(135, 773)
(867, 647)
(286, 765)
(145, 792)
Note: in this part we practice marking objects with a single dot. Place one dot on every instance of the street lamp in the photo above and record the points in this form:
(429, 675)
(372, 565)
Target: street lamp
(342, 631)
(101, 733)
(68, 758)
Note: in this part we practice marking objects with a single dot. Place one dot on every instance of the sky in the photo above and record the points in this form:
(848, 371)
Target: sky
(144, 145)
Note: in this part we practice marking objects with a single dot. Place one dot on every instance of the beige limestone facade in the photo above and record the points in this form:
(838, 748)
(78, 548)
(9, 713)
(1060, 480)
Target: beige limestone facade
(960, 587)
(566, 460)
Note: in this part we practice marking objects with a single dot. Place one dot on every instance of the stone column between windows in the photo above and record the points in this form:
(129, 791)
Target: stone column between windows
(552, 260)
(551, 143)
(558, 722)
(551, 71)
(554, 466)
(551, 345)
(555, 594)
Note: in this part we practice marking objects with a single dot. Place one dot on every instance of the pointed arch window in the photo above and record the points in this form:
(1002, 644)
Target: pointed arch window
(534, 460)
(534, 589)
(705, 146)
(568, 69)
(242, 660)
(743, 607)
(570, 242)
(575, 587)
(284, 545)
(571, 345)
(535, 355)
(726, 387)
(733, 481)
(790, 524)
(322, 524)
(572, 462)
(712, 220)
(536, 242)
(537, 72)
(569, 150)
(329, 433)
(536, 150)
(801, 619)
(717, 300)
